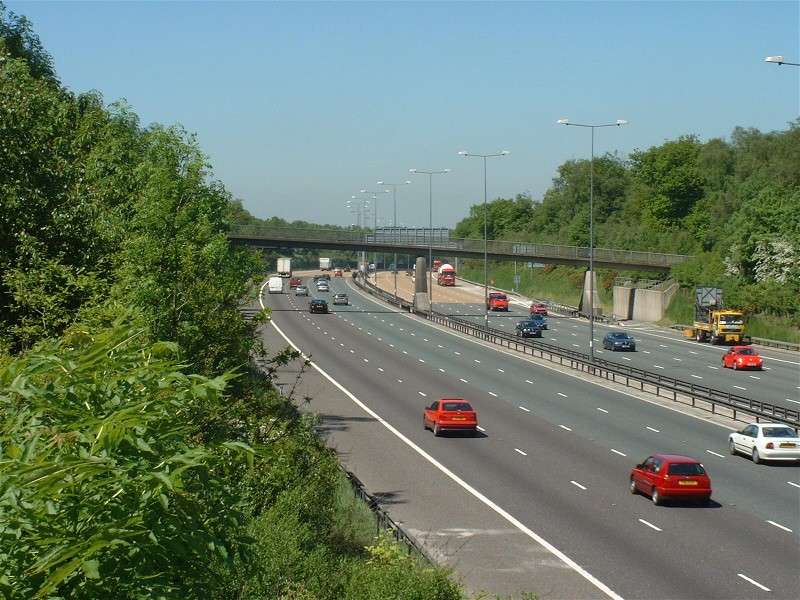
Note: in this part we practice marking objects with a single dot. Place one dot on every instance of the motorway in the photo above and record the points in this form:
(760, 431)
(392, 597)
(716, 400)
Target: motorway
(658, 350)
(556, 451)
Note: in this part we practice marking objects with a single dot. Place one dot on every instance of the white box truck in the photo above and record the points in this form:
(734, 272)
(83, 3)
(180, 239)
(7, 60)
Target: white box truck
(275, 285)
(284, 267)
(324, 264)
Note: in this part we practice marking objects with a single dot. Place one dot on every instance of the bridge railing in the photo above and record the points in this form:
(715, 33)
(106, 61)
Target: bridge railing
(525, 250)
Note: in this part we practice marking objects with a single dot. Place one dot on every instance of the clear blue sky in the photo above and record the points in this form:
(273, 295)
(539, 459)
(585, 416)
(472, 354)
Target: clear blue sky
(300, 105)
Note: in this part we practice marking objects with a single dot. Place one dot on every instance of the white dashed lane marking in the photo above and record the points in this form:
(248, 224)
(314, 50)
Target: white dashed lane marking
(520, 451)
(602, 410)
(738, 387)
(779, 526)
(754, 582)
(715, 453)
(565, 427)
(653, 429)
(441, 369)
(562, 395)
(501, 370)
(797, 485)
(576, 484)
(618, 452)
(525, 409)
(463, 380)
(649, 524)
(493, 394)
(423, 394)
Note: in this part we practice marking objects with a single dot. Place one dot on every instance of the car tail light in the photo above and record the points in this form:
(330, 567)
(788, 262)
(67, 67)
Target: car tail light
(770, 445)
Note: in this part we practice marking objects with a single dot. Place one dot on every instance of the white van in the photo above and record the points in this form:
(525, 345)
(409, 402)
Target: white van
(275, 285)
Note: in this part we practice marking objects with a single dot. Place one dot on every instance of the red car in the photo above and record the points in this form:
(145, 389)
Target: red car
(742, 357)
(294, 282)
(539, 309)
(497, 301)
(669, 476)
(448, 414)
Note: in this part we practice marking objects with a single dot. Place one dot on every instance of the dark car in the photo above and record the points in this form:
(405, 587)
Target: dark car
(318, 306)
(529, 328)
(539, 320)
(619, 340)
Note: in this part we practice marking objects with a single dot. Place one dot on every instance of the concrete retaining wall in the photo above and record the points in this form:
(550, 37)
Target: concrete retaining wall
(651, 305)
(623, 303)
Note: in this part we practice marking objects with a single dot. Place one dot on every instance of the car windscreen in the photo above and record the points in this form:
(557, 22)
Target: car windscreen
(746, 352)
(498, 297)
(686, 469)
(620, 336)
(456, 406)
(731, 319)
(779, 432)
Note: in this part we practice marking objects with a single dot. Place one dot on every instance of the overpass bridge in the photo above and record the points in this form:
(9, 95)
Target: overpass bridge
(336, 239)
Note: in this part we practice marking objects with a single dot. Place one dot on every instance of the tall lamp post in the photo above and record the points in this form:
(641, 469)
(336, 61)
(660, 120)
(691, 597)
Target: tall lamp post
(485, 229)
(394, 223)
(617, 123)
(374, 196)
(778, 60)
(430, 175)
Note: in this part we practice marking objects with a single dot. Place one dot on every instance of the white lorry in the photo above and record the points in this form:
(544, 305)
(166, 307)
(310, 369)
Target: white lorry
(275, 285)
(284, 267)
(324, 264)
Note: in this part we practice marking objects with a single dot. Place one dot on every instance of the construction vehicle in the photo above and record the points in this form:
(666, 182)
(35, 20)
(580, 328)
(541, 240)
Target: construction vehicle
(713, 322)
(446, 275)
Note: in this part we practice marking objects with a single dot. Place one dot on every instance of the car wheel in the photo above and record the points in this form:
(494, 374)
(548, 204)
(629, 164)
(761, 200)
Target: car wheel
(732, 447)
(436, 430)
(632, 487)
(756, 456)
(698, 336)
(657, 499)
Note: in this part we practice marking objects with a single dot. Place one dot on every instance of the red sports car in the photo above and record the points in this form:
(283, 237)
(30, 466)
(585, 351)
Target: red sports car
(538, 309)
(742, 357)
(450, 414)
(666, 476)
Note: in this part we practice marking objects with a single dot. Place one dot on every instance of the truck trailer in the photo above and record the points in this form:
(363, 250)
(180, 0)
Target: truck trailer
(284, 267)
(324, 264)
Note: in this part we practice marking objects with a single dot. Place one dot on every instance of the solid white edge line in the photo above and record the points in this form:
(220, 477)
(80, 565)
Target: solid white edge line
(754, 582)
(779, 526)
(649, 524)
(576, 484)
(478, 495)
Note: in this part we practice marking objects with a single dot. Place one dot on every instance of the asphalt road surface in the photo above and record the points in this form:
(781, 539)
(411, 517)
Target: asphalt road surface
(556, 453)
(658, 350)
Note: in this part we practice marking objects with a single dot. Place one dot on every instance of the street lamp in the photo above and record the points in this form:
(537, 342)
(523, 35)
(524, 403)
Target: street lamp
(485, 252)
(374, 196)
(394, 223)
(617, 123)
(430, 175)
(778, 60)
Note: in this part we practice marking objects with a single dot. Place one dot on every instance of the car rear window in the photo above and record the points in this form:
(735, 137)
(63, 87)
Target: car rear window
(779, 432)
(456, 406)
(686, 469)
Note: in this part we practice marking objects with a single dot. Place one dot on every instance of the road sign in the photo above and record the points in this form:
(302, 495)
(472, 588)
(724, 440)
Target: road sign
(530, 265)
(516, 279)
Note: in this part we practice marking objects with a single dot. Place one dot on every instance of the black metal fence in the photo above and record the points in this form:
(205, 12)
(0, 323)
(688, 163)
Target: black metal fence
(383, 522)
(710, 399)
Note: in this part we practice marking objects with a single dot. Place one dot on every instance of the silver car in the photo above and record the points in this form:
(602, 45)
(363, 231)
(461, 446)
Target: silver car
(301, 290)
(341, 299)
(322, 286)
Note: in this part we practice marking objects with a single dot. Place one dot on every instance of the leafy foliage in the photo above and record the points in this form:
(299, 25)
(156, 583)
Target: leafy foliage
(732, 204)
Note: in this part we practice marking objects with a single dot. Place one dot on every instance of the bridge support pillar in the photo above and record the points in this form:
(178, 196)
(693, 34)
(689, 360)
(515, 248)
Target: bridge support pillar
(585, 306)
(421, 300)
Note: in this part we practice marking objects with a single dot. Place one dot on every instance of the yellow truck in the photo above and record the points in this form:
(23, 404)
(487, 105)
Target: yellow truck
(714, 323)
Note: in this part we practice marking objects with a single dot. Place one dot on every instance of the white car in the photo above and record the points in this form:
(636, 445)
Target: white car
(323, 287)
(766, 441)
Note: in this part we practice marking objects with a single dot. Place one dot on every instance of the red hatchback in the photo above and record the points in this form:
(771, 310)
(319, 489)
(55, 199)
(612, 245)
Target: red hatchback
(539, 309)
(742, 357)
(294, 282)
(450, 414)
(497, 301)
(668, 476)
